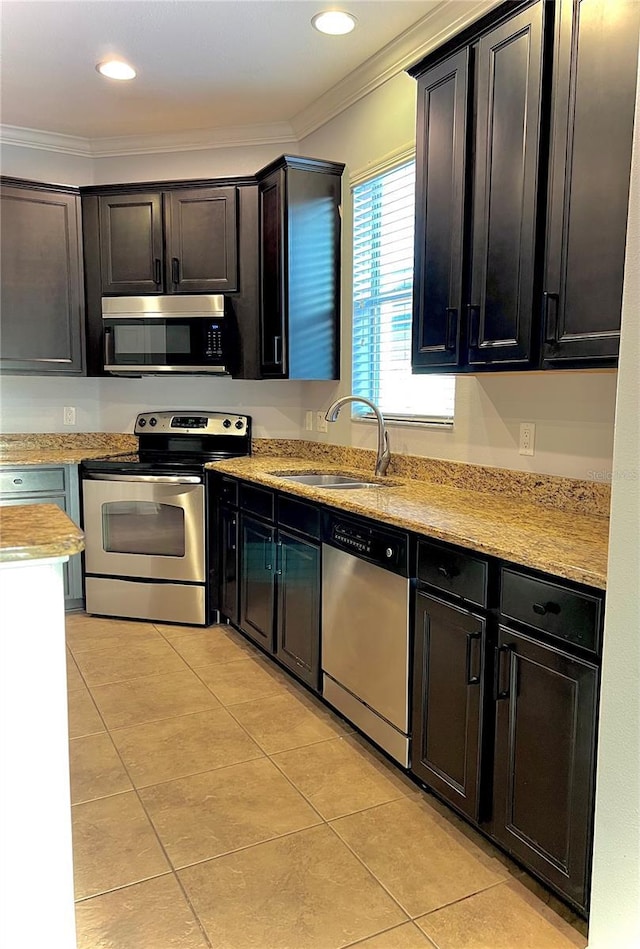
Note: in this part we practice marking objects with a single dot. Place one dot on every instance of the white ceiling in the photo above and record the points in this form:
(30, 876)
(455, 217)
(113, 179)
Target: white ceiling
(202, 64)
(210, 72)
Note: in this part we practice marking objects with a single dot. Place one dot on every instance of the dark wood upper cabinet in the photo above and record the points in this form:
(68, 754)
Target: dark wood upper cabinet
(505, 191)
(42, 304)
(524, 138)
(201, 240)
(131, 250)
(440, 188)
(591, 140)
(477, 176)
(176, 241)
(299, 228)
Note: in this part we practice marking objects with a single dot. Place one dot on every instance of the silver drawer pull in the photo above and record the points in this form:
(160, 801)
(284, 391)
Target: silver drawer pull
(17, 480)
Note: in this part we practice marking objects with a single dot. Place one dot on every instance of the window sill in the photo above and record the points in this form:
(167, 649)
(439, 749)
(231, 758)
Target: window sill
(397, 422)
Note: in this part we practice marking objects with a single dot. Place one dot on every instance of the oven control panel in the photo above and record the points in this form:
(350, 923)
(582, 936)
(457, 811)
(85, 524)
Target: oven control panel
(192, 423)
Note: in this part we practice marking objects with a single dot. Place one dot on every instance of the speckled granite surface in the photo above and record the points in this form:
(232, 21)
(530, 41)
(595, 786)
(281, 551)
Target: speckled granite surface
(57, 448)
(558, 525)
(564, 543)
(37, 532)
(567, 494)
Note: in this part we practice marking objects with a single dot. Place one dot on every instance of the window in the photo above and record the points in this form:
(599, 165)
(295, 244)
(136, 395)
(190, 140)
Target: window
(383, 212)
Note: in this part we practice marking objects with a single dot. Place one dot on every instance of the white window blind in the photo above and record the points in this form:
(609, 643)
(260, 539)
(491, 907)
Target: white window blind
(383, 222)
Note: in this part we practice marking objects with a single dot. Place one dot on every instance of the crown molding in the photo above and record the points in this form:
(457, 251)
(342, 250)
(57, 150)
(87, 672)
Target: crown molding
(198, 140)
(190, 141)
(438, 26)
(46, 141)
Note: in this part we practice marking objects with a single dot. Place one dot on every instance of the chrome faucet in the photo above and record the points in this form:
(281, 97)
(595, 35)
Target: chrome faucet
(384, 455)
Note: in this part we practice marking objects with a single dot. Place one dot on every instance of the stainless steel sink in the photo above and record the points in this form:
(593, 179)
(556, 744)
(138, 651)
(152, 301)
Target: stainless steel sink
(332, 481)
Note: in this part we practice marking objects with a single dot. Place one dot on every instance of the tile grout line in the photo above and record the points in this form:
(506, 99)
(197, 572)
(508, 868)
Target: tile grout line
(267, 755)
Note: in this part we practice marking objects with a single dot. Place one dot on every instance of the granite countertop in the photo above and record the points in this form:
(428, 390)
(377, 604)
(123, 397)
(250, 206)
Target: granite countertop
(553, 524)
(565, 543)
(37, 532)
(62, 449)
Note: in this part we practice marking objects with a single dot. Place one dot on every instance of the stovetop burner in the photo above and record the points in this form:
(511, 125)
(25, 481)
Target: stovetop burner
(178, 442)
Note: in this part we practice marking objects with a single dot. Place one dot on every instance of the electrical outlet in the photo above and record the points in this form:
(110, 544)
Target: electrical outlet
(321, 422)
(527, 438)
(308, 421)
(69, 415)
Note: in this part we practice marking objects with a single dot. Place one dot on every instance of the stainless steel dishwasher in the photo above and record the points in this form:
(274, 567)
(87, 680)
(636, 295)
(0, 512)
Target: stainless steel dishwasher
(365, 630)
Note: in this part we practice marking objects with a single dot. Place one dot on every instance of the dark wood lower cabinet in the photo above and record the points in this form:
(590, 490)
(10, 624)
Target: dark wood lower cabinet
(257, 581)
(447, 701)
(546, 707)
(298, 612)
(228, 563)
(270, 577)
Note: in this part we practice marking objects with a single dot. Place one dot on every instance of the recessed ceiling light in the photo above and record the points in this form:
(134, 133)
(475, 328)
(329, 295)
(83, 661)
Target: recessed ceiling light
(334, 22)
(116, 69)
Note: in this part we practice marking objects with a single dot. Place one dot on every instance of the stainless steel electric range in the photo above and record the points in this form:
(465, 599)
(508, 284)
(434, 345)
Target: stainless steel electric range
(147, 521)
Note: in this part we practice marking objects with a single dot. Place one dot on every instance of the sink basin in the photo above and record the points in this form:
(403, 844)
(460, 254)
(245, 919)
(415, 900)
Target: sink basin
(333, 481)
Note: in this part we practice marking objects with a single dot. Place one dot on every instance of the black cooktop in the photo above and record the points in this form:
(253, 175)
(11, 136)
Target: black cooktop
(179, 442)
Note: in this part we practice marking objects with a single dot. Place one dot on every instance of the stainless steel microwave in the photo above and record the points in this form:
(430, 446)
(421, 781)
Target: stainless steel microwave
(165, 334)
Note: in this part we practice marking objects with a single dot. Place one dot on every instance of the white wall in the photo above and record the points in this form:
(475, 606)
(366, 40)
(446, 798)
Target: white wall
(615, 902)
(35, 404)
(199, 163)
(41, 165)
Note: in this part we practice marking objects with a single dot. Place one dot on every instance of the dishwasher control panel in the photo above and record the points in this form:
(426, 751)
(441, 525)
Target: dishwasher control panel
(378, 546)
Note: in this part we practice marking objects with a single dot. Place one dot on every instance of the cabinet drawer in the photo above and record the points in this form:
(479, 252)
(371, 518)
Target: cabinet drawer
(453, 571)
(229, 491)
(299, 516)
(32, 480)
(552, 608)
(257, 501)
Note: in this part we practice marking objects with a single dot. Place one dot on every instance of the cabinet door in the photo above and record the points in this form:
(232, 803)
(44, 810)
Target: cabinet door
(201, 236)
(298, 625)
(440, 205)
(50, 485)
(591, 139)
(131, 254)
(257, 581)
(447, 699)
(272, 276)
(228, 527)
(509, 78)
(545, 759)
(42, 292)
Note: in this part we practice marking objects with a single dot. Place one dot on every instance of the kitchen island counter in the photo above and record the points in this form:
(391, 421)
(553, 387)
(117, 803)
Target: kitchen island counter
(37, 532)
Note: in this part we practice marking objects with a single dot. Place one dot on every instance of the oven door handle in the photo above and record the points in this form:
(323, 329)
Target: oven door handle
(146, 479)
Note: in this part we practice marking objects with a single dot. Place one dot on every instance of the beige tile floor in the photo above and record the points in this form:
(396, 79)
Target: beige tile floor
(217, 804)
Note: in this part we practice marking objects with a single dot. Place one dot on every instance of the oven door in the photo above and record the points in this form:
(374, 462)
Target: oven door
(150, 527)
